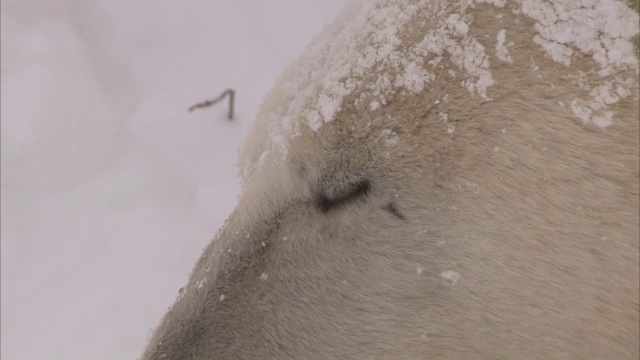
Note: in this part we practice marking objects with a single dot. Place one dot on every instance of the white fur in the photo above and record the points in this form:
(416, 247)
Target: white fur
(434, 179)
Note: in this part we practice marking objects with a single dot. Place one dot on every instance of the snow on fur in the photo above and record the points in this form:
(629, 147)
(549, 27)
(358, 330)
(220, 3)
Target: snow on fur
(336, 66)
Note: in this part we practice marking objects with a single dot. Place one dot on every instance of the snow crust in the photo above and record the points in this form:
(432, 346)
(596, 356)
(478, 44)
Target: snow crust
(502, 50)
(600, 29)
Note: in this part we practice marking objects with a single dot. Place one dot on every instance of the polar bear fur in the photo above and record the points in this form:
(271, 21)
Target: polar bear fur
(431, 180)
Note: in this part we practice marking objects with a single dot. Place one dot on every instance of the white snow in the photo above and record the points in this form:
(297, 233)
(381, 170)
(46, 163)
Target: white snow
(558, 52)
(390, 138)
(201, 283)
(502, 51)
(110, 188)
(451, 276)
(600, 29)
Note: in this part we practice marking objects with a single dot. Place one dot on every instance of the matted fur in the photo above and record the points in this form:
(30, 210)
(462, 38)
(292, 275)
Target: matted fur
(436, 223)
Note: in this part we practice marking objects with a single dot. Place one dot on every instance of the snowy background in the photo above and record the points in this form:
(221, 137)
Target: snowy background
(110, 188)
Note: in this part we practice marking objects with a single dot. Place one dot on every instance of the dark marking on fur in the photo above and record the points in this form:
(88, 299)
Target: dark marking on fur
(356, 191)
(391, 208)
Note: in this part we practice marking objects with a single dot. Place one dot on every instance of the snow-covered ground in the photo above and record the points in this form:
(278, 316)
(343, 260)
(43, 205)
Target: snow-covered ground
(110, 188)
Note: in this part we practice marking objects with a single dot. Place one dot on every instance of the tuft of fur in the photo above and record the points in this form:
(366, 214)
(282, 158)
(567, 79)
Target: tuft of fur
(434, 179)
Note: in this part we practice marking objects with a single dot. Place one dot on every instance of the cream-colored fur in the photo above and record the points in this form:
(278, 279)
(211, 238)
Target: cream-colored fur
(497, 227)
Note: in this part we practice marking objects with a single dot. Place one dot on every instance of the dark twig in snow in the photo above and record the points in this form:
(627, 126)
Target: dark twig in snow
(207, 103)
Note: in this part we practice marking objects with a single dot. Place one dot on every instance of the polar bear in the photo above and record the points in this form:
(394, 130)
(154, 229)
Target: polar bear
(434, 179)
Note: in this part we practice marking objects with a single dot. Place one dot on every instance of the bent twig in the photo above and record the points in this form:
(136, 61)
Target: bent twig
(207, 103)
